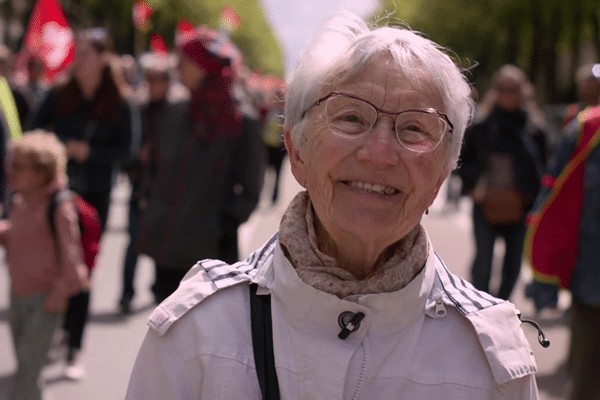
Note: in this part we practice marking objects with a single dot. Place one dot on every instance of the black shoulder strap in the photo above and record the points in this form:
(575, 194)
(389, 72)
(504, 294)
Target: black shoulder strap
(262, 343)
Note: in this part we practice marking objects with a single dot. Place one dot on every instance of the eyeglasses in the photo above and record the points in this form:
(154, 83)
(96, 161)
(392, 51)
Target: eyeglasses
(418, 130)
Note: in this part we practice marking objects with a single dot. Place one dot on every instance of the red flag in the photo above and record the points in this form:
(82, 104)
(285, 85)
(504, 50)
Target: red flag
(230, 20)
(158, 44)
(141, 13)
(50, 38)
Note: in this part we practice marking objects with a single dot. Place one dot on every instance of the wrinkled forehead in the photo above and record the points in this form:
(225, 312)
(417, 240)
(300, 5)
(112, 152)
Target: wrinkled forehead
(384, 71)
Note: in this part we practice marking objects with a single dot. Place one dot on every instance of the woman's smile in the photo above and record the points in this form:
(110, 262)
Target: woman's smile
(373, 188)
(370, 189)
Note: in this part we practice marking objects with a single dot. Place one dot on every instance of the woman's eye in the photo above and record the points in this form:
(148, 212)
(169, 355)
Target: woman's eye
(412, 128)
(411, 137)
(412, 134)
(351, 123)
(352, 118)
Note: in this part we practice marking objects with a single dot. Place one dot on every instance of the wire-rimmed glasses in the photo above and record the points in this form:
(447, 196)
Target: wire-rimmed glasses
(419, 130)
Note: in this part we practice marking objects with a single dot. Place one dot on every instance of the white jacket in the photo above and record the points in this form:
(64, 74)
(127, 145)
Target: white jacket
(437, 338)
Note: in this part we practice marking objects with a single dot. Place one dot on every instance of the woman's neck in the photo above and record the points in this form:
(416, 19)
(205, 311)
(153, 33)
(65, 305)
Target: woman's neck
(358, 258)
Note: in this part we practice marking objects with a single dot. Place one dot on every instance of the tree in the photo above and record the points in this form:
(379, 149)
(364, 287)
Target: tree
(549, 39)
(255, 38)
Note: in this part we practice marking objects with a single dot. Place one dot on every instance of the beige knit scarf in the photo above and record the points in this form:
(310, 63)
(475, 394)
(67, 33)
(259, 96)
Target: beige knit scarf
(298, 238)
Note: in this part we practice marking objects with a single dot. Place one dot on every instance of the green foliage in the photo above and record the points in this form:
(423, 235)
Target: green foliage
(255, 38)
(537, 35)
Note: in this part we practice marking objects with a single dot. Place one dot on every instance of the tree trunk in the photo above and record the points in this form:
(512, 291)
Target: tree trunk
(576, 22)
(550, 58)
(513, 43)
(538, 43)
(596, 30)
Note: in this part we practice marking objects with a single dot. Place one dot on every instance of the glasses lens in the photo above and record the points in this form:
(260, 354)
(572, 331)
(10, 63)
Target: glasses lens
(420, 131)
(348, 116)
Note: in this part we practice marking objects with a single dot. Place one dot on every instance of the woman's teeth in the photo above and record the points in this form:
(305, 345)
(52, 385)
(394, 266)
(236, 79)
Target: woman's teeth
(369, 187)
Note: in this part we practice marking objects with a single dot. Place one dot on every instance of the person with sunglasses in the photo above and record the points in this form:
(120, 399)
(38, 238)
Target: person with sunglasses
(349, 299)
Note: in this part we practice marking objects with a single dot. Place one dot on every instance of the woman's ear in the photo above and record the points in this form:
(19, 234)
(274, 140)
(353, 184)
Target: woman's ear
(296, 161)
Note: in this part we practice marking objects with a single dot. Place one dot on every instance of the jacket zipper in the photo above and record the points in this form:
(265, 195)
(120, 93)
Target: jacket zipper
(363, 372)
(440, 308)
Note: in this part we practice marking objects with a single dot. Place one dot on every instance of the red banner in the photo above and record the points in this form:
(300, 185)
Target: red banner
(50, 38)
(552, 240)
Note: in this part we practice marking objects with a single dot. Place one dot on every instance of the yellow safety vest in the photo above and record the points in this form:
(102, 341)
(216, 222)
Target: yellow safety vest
(8, 110)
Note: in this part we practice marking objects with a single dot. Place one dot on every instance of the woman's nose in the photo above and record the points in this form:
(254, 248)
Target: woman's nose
(381, 145)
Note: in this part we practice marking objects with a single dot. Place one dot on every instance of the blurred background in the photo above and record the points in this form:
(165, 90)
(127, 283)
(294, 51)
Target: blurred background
(546, 38)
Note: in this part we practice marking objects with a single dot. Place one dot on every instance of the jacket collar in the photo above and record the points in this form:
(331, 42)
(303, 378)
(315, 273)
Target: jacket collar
(494, 321)
(385, 313)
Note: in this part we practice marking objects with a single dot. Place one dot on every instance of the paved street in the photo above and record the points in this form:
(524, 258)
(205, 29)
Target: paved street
(111, 341)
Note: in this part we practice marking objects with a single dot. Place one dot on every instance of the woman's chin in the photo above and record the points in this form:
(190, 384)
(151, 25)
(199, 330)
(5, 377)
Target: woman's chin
(377, 226)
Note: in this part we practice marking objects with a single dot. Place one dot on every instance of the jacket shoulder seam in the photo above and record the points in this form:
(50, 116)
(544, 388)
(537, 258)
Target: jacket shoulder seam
(463, 294)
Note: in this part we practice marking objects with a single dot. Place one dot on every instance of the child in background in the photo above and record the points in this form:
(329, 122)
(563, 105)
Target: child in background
(45, 269)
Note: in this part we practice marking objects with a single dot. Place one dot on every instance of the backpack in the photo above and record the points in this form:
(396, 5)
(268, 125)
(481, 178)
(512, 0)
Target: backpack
(90, 226)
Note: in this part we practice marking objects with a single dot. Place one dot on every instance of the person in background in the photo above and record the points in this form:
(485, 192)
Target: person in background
(273, 137)
(90, 115)
(35, 89)
(208, 172)
(454, 190)
(6, 70)
(45, 269)
(250, 152)
(10, 129)
(501, 164)
(3, 161)
(544, 294)
(588, 91)
(562, 245)
(348, 299)
(141, 170)
(131, 74)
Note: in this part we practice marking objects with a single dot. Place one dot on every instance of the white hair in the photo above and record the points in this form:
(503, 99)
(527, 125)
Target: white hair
(345, 46)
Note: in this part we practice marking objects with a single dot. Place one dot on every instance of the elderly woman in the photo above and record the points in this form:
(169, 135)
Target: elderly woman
(349, 299)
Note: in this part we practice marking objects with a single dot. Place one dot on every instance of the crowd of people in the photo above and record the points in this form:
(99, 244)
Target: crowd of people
(373, 126)
(189, 136)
